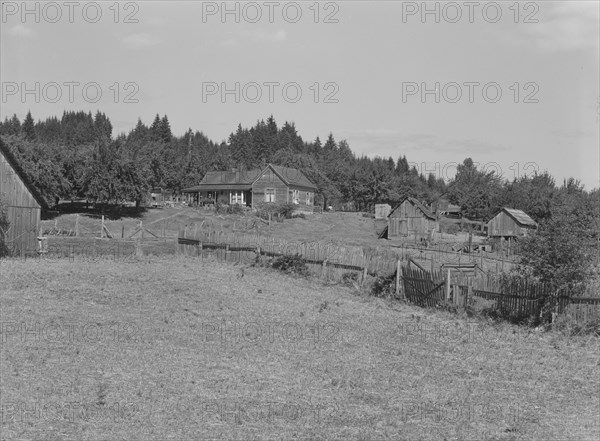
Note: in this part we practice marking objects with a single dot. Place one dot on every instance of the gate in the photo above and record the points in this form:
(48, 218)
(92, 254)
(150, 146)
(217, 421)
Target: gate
(424, 288)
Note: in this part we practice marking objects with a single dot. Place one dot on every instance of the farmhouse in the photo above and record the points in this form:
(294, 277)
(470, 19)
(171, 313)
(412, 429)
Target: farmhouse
(23, 202)
(510, 223)
(411, 219)
(272, 184)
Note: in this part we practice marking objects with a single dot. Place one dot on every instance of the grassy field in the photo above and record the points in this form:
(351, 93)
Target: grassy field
(182, 349)
(340, 229)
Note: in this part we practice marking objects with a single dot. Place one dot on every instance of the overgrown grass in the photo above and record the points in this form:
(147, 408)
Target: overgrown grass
(195, 349)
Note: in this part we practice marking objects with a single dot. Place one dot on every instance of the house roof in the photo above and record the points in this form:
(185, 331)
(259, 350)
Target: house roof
(14, 163)
(519, 217)
(292, 176)
(428, 214)
(243, 180)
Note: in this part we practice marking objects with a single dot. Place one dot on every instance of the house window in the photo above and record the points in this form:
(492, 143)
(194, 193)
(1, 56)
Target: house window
(294, 196)
(237, 197)
(269, 195)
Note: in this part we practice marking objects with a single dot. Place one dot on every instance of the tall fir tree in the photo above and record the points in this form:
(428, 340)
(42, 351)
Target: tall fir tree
(28, 128)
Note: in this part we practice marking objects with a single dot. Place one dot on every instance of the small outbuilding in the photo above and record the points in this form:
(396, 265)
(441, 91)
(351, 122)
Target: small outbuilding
(411, 219)
(23, 203)
(510, 223)
(382, 211)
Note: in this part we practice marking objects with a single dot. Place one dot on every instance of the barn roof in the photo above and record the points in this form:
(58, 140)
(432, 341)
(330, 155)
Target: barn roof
(428, 214)
(243, 180)
(519, 216)
(14, 163)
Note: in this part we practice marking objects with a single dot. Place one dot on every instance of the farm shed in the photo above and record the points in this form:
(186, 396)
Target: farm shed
(273, 183)
(510, 223)
(23, 202)
(443, 205)
(411, 219)
(382, 211)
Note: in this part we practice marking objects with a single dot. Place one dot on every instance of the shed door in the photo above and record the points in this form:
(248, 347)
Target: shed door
(393, 231)
(403, 227)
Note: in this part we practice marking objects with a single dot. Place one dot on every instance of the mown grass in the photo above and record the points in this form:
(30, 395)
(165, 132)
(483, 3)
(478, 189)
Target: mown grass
(174, 343)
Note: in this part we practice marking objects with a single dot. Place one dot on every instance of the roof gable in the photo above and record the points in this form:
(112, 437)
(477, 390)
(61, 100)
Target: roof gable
(519, 216)
(291, 176)
(14, 163)
(428, 214)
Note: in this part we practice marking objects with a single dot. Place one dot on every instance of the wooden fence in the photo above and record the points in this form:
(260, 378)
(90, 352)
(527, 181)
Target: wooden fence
(334, 260)
(516, 300)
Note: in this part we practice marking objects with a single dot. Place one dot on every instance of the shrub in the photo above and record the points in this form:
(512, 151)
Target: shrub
(284, 210)
(383, 286)
(300, 215)
(291, 265)
(235, 209)
(350, 278)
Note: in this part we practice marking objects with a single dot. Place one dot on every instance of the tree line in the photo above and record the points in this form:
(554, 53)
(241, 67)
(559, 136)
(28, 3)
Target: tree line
(76, 156)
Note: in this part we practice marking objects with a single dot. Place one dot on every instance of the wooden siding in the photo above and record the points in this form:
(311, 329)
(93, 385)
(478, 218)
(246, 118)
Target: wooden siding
(408, 220)
(23, 210)
(504, 225)
(302, 205)
(269, 180)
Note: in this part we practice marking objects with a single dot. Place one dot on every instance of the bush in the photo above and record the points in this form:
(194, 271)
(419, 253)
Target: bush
(291, 265)
(350, 278)
(300, 215)
(383, 286)
(235, 209)
(275, 210)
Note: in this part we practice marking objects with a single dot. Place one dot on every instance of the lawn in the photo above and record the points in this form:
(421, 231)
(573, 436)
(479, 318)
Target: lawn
(176, 348)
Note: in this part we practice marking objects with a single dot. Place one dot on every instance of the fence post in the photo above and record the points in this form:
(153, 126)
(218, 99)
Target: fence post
(364, 275)
(398, 278)
(448, 286)
(177, 246)
(76, 225)
(102, 228)
(324, 271)
(469, 294)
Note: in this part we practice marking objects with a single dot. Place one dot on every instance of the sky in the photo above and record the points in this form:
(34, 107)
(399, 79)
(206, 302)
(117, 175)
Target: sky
(513, 85)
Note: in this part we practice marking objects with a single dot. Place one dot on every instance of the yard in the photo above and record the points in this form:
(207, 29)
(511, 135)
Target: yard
(160, 348)
(339, 229)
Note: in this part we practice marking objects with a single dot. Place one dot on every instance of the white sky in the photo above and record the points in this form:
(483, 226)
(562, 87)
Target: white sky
(369, 53)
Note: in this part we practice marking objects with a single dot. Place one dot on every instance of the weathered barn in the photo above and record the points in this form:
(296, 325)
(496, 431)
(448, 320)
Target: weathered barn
(510, 223)
(24, 205)
(273, 183)
(411, 219)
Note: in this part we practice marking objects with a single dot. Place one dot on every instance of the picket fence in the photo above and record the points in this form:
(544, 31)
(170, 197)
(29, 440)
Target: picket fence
(323, 257)
(515, 299)
(414, 283)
